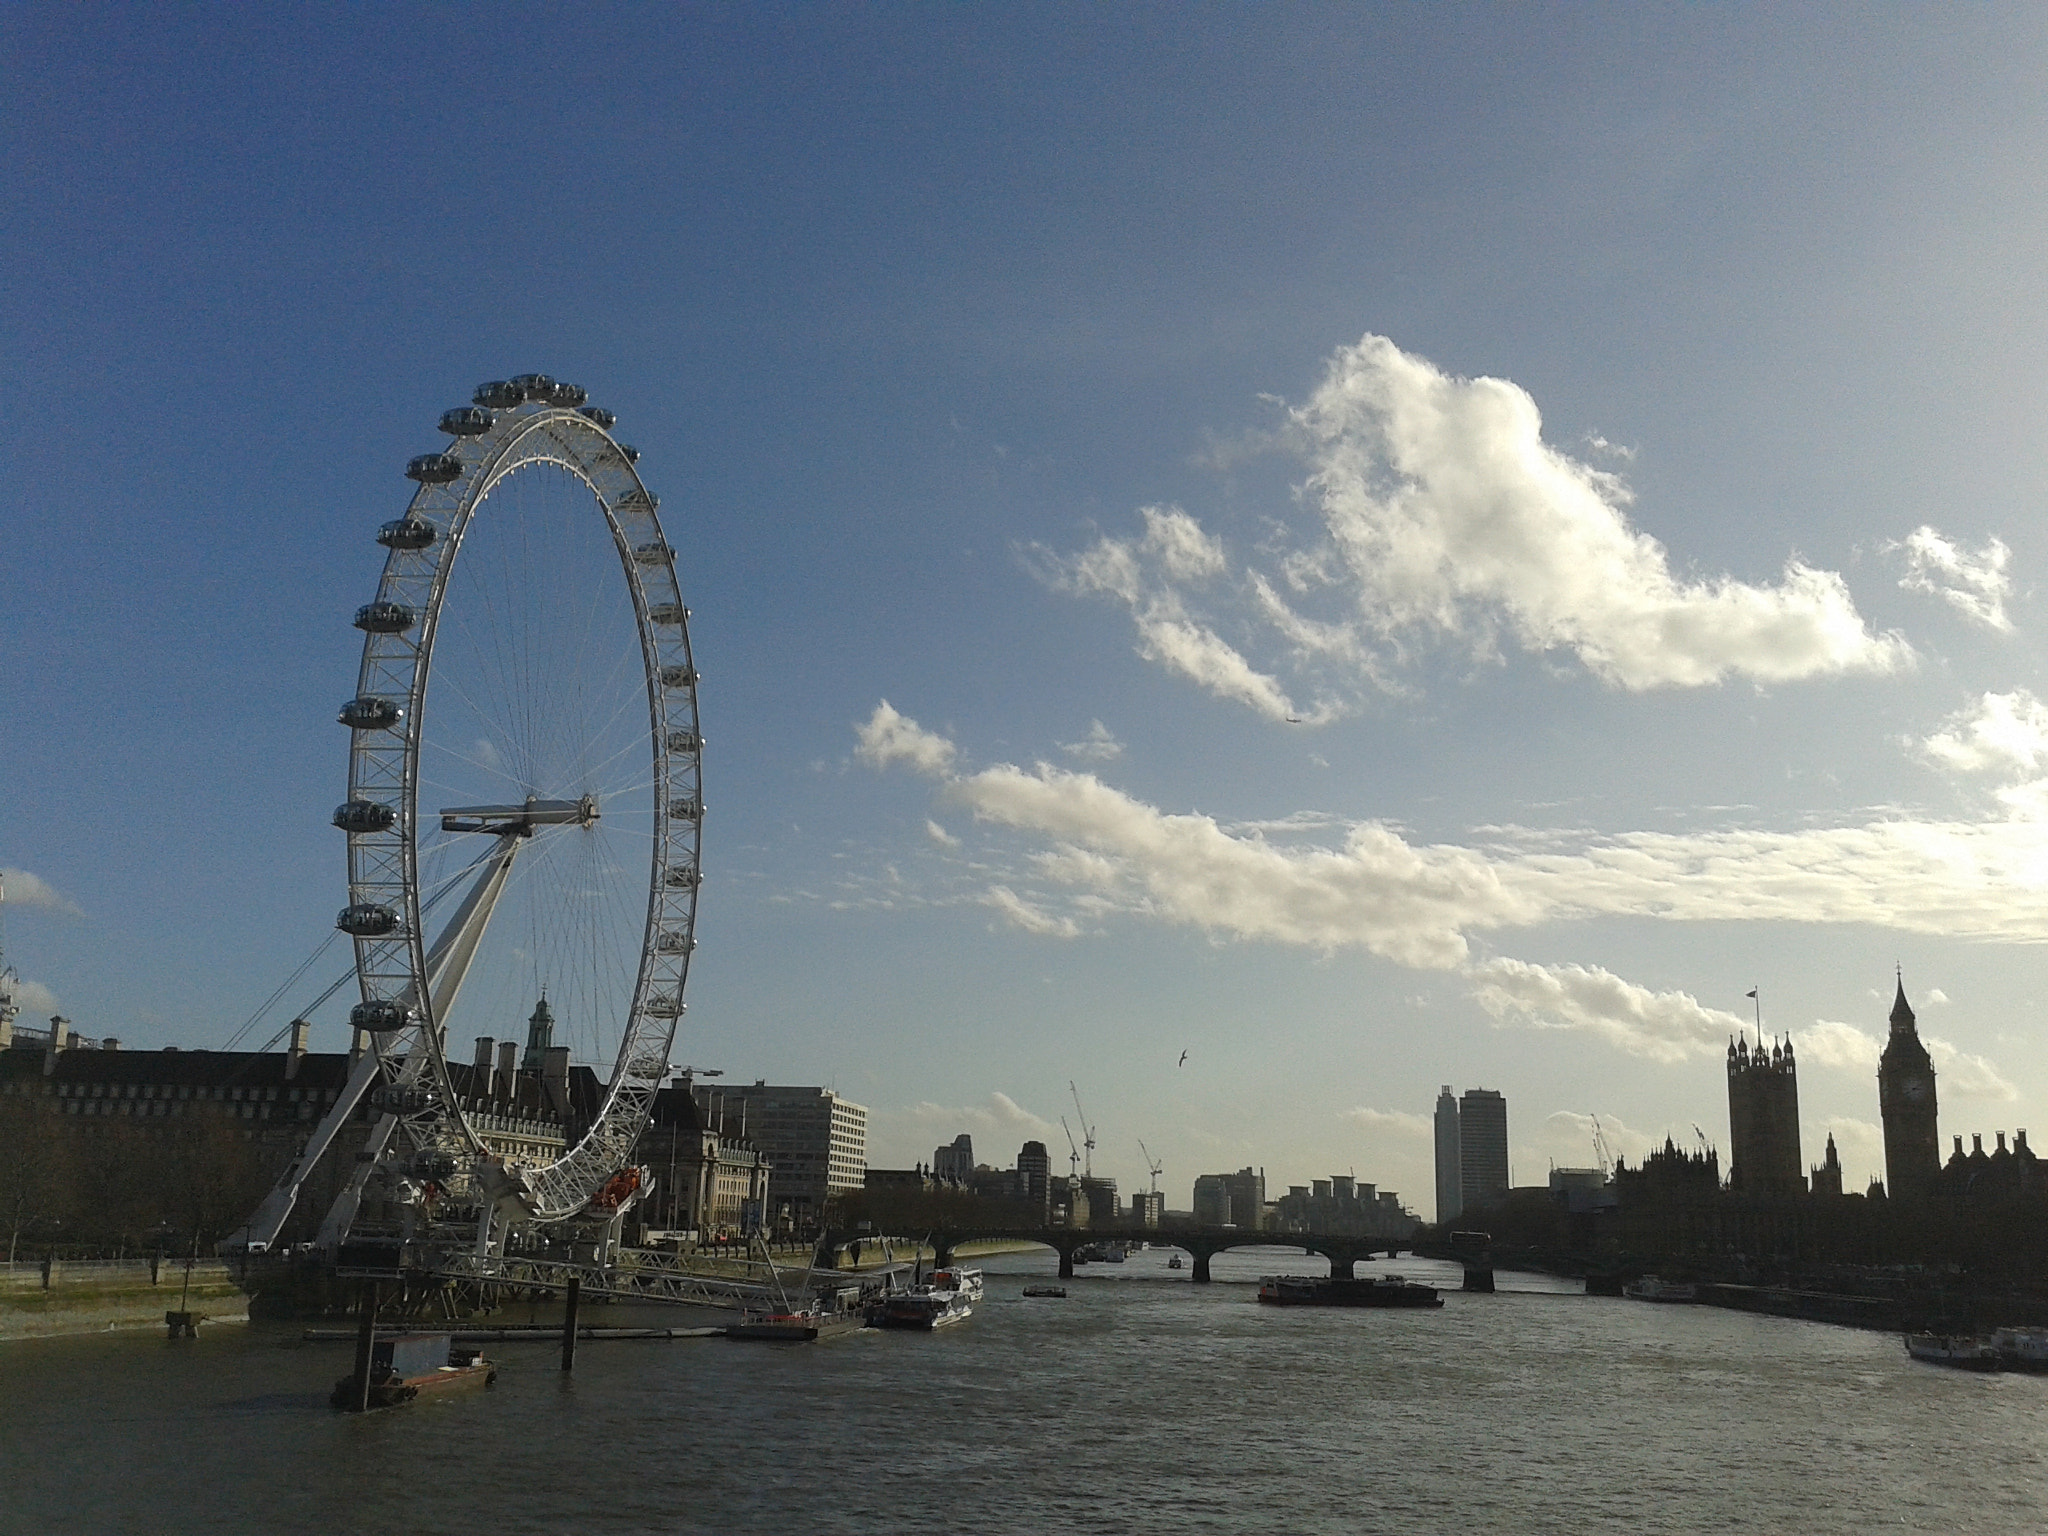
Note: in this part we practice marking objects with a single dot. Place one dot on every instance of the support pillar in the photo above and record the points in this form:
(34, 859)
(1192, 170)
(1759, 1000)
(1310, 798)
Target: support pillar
(1066, 1263)
(366, 1343)
(569, 1324)
(1201, 1275)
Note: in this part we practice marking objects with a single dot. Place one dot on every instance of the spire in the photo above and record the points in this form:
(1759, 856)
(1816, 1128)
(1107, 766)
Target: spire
(1902, 1012)
(540, 1034)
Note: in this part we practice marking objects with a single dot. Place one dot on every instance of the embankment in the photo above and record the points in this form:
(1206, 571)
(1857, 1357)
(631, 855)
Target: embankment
(91, 1296)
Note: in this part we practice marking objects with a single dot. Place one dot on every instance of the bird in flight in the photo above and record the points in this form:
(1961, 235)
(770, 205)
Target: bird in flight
(1294, 719)
(1183, 1059)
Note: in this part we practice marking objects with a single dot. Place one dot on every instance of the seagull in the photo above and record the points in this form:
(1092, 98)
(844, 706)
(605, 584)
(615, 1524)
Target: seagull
(1294, 719)
(1183, 1059)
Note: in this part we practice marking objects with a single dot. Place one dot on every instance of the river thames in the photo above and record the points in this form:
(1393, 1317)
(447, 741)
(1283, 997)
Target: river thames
(1141, 1403)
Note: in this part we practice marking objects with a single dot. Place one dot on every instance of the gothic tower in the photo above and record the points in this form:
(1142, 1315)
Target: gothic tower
(1905, 1096)
(1763, 1119)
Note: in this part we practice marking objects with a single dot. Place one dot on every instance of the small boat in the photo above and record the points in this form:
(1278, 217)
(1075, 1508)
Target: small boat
(1334, 1291)
(2021, 1349)
(1650, 1288)
(1175, 1263)
(407, 1366)
(1960, 1352)
(1055, 1292)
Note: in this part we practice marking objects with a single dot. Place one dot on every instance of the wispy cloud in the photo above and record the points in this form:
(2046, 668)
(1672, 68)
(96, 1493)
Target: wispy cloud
(1391, 1122)
(887, 737)
(1664, 1026)
(1834, 1044)
(26, 889)
(1973, 582)
(1098, 746)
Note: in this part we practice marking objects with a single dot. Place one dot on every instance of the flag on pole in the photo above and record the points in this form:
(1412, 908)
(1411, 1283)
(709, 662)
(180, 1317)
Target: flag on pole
(1750, 993)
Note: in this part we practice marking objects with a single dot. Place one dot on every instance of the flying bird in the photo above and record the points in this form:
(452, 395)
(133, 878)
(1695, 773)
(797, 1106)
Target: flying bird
(1183, 1059)
(1294, 719)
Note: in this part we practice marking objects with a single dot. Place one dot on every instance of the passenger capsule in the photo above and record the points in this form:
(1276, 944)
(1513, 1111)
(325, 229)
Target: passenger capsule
(668, 613)
(683, 676)
(380, 1015)
(685, 741)
(364, 816)
(407, 532)
(639, 499)
(674, 943)
(466, 421)
(686, 810)
(367, 712)
(534, 386)
(367, 920)
(653, 554)
(632, 454)
(663, 1005)
(569, 394)
(434, 468)
(600, 415)
(497, 395)
(683, 877)
(382, 618)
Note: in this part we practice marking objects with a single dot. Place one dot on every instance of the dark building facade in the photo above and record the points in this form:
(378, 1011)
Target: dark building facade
(1763, 1119)
(1482, 1148)
(1449, 1195)
(1905, 1098)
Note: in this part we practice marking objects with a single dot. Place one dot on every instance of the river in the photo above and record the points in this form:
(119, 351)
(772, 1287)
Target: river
(1141, 1403)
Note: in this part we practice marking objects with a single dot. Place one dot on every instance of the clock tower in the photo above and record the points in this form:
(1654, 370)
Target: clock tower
(1905, 1096)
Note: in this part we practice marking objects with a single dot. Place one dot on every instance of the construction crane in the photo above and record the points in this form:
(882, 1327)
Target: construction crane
(1152, 1164)
(1073, 1152)
(1087, 1130)
(1600, 1149)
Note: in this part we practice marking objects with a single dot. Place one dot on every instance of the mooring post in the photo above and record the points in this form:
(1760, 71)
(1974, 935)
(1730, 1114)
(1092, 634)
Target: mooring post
(366, 1343)
(569, 1323)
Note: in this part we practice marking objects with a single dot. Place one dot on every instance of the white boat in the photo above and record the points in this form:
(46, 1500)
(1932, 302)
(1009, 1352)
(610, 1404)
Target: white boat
(923, 1306)
(1651, 1288)
(967, 1282)
(1962, 1352)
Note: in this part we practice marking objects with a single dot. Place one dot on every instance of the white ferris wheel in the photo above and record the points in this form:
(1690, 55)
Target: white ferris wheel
(524, 820)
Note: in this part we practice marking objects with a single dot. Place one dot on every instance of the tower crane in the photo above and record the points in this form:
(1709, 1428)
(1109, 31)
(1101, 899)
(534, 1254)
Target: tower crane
(1073, 1152)
(1087, 1130)
(1601, 1151)
(1152, 1164)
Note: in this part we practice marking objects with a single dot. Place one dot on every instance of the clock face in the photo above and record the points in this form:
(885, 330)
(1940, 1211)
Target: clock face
(1915, 1090)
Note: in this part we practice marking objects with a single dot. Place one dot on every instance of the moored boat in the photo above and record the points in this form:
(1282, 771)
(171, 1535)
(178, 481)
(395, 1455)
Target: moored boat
(967, 1282)
(1651, 1288)
(2021, 1349)
(1962, 1352)
(922, 1307)
(408, 1366)
(1054, 1292)
(1335, 1291)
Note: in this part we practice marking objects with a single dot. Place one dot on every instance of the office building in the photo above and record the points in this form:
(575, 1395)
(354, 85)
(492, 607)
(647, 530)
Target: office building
(1482, 1148)
(815, 1142)
(1449, 1195)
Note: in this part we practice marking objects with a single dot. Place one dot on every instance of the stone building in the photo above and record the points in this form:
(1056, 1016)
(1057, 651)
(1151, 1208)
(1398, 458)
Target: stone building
(1906, 1101)
(705, 1182)
(1763, 1119)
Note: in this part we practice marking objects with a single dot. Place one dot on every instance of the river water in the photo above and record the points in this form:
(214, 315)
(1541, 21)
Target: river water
(1141, 1403)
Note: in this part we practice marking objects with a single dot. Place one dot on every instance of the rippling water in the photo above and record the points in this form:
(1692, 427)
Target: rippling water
(1142, 1403)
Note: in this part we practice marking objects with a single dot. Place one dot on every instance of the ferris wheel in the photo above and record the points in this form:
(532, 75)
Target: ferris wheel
(524, 820)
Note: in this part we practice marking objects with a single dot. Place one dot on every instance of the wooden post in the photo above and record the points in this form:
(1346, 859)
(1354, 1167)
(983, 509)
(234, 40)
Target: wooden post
(366, 1341)
(569, 1324)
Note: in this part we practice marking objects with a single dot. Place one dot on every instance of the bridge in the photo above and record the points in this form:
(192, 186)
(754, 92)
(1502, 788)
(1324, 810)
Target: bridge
(1200, 1243)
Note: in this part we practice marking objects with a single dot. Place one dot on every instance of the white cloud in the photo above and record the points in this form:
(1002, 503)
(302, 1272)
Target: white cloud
(1936, 995)
(903, 1135)
(1390, 1122)
(1098, 746)
(1567, 1138)
(1443, 515)
(1664, 1026)
(1450, 513)
(940, 835)
(1148, 575)
(34, 999)
(889, 737)
(24, 889)
(1974, 583)
(1028, 917)
(1844, 1047)
(2004, 733)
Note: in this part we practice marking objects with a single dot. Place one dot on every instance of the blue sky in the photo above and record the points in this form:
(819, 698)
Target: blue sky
(1612, 431)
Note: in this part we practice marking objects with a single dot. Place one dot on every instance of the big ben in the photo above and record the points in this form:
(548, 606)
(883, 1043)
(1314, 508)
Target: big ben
(1905, 1096)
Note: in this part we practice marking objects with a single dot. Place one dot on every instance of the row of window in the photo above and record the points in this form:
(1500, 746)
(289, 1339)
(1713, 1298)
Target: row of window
(219, 1092)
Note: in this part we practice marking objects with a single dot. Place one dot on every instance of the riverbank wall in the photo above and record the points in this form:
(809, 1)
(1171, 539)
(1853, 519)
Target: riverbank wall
(40, 1300)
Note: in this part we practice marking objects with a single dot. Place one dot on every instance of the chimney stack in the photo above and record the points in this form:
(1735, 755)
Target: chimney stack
(60, 1037)
(301, 1033)
(507, 1085)
(485, 1045)
(555, 1077)
(110, 1044)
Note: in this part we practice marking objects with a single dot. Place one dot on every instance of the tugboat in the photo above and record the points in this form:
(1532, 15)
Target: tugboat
(412, 1365)
(1331, 1291)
